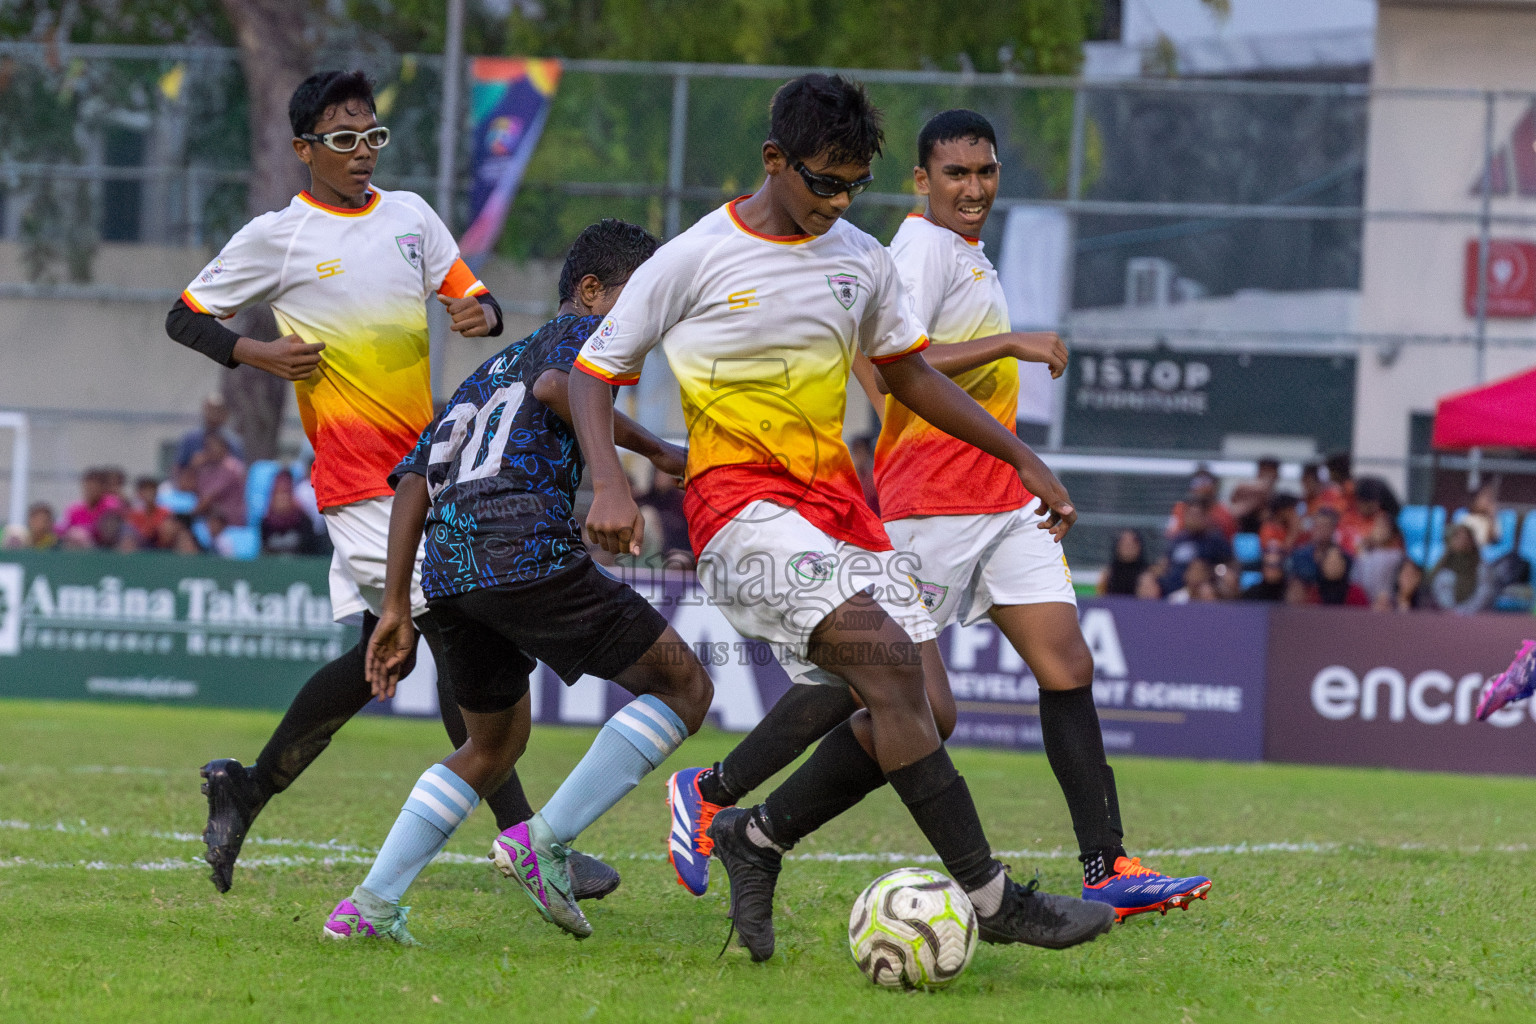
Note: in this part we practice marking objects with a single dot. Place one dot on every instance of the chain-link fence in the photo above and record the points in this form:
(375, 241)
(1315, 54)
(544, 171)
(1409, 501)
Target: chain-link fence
(1191, 237)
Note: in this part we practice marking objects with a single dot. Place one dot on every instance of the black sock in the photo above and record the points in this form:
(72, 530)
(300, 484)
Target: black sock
(509, 803)
(940, 802)
(801, 717)
(327, 702)
(1069, 725)
(834, 778)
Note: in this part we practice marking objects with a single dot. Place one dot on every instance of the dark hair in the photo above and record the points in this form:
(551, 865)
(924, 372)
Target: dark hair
(949, 126)
(609, 250)
(322, 91)
(826, 115)
(1268, 462)
(1280, 501)
(145, 481)
(1339, 465)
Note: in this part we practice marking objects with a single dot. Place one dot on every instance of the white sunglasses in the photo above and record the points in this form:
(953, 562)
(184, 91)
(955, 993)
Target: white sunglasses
(346, 142)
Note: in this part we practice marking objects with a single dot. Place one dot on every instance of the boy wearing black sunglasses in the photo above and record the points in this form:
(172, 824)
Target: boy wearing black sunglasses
(347, 269)
(760, 307)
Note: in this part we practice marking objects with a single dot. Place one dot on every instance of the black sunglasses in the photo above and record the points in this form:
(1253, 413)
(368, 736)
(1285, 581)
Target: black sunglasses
(825, 185)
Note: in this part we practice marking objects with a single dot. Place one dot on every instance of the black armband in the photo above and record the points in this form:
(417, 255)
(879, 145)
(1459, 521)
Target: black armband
(201, 332)
(487, 299)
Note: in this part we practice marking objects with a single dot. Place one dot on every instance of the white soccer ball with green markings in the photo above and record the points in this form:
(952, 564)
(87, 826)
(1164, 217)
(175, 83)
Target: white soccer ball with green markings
(912, 928)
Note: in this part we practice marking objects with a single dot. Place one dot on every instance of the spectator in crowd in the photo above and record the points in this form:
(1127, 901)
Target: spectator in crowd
(1379, 556)
(1482, 516)
(42, 533)
(219, 540)
(1250, 500)
(863, 451)
(1341, 480)
(220, 481)
(1272, 582)
(1333, 584)
(112, 532)
(215, 419)
(286, 528)
(1127, 561)
(1229, 581)
(153, 525)
(1371, 498)
(78, 530)
(1202, 486)
(1408, 592)
(1198, 539)
(1196, 583)
(1454, 578)
(304, 496)
(1322, 530)
(665, 500)
(1282, 522)
(1149, 586)
(1316, 492)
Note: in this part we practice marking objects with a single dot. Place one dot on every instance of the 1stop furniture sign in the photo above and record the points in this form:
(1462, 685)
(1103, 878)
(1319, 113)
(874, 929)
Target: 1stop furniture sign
(1511, 278)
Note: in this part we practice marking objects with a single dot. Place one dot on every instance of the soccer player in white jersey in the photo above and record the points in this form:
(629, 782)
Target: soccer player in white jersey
(969, 520)
(760, 307)
(348, 270)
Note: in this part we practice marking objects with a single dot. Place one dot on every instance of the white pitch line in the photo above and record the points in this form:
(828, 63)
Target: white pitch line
(337, 852)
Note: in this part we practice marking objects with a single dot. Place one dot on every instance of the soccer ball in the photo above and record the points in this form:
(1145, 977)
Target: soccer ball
(912, 928)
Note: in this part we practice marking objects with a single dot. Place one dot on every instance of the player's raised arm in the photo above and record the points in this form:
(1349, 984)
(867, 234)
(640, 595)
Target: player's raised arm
(944, 404)
(957, 358)
(553, 389)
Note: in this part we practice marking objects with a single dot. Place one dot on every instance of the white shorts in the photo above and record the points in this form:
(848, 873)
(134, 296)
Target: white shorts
(360, 532)
(775, 577)
(970, 563)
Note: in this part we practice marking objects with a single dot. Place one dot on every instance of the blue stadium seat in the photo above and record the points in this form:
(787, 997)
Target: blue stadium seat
(1527, 545)
(1423, 529)
(258, 489)
(1250, 576)
(245, 542)
(1247, 549)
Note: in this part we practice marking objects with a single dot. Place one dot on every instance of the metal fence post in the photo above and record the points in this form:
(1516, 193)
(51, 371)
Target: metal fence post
(1484, 241)
(1075, 157)
(677, 149)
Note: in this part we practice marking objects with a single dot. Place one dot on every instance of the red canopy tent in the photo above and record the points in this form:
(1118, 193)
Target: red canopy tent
(1497, 415)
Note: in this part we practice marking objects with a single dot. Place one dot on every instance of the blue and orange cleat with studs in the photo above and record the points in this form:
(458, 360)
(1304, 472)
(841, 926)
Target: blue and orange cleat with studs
(688, 844)
(1133, 889)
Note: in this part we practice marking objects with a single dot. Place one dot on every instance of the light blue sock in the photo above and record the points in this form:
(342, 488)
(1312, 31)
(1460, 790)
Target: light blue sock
(436, 807)
(629, 746)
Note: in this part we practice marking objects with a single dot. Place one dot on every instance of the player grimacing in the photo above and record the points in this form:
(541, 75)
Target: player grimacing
(759, 308)
(348, 269)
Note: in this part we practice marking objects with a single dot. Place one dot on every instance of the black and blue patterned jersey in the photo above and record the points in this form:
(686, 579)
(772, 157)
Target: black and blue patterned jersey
(502, 470)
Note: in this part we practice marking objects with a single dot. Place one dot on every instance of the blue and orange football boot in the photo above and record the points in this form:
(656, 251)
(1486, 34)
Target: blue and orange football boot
(1132, 889)
(689, 845)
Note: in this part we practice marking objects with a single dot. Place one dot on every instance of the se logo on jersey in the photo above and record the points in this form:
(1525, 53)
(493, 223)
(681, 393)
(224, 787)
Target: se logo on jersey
(212, 271)
(329, 268)
(845, 287)
(410, 248)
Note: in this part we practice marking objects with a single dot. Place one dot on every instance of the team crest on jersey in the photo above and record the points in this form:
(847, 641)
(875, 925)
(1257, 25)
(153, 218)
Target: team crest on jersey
(813, 566)
(845, 287)
(212, 271)
(410, 248)
(931, 594)
(604, 335)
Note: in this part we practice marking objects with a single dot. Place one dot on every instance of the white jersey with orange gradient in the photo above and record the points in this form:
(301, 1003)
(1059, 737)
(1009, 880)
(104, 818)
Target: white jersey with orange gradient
(357, 280)
(760, 332)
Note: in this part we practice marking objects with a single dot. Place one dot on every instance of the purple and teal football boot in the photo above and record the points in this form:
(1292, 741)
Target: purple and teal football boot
(529, 853)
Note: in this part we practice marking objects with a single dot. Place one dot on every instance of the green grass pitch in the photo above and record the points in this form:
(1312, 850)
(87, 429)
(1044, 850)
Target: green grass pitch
(1360, 895)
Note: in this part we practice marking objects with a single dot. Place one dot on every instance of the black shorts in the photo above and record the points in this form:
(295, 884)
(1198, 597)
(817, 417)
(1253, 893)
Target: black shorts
(578, 621)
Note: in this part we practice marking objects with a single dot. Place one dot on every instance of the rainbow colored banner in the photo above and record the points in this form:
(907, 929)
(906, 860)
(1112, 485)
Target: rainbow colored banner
(509, 102)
